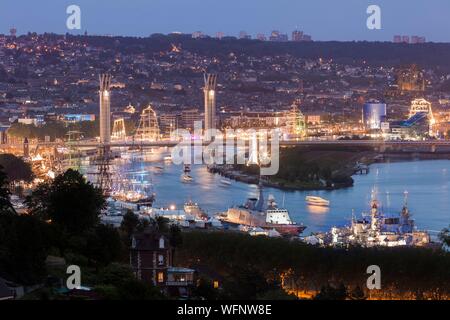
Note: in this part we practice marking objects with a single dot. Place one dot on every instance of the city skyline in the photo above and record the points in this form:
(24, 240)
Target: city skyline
(341, 21)
(149, 150)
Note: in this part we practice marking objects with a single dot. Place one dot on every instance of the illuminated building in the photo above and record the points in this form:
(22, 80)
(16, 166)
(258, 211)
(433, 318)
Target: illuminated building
(168, 122)
(119, 131)
(373, 114)
(73, 118)
(418, 125)
(130, 109)
(423, 106)
(244, 35)
(313, 119)
(410, 79)
(152, 262)
(397, 39)
(417, 39)
(261, 37)
(420, 105)
(105, 108)
(277, 36)
(4, 134)
(189, 117)
(209, 91)
(297, 35)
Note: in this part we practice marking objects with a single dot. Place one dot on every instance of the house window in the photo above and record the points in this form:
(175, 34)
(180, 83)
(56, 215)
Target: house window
(160, 277)
(161, 243)
(216, 284)
(160, 259)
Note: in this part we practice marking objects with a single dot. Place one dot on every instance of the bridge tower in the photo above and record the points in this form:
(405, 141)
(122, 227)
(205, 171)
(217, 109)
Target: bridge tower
(105, 108)
(148, 129)
(209, 91)
(119, 132)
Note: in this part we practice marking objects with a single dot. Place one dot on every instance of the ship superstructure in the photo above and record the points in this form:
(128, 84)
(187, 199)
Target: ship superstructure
(255, 213)
(379, 229)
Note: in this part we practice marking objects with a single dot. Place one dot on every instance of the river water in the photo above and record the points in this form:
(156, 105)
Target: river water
(427, 184)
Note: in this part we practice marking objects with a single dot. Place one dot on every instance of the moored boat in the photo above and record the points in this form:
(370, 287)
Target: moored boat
(253, 214)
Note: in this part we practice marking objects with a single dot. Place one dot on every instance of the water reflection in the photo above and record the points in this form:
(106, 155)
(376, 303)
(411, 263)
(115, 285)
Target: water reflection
(427, 183)
(317, 209)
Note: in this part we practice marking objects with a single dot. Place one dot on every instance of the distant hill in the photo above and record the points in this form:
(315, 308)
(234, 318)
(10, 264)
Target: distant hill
(378, 53)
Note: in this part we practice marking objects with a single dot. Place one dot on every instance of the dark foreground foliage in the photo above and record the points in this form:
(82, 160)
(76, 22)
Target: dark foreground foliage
(404, 270)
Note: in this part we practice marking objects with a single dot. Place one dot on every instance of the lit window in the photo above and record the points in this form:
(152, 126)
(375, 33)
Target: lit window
(161, 243)
(160, 259)
(160, 277)
(216, 284)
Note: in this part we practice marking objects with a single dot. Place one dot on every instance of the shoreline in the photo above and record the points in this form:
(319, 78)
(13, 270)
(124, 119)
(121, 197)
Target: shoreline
(368, 160)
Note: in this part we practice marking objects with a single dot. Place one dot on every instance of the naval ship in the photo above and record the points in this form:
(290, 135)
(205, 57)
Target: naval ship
(255, 213)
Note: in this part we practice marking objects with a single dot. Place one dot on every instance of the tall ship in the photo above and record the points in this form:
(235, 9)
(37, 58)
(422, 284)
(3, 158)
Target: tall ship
(133, 188)
(256, 213)
(133, 191)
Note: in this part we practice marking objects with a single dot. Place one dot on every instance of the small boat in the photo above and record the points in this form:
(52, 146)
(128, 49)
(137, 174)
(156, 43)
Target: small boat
(317, 201)
(167, 158)
(187, 168)
(225, 182)
(186, 178)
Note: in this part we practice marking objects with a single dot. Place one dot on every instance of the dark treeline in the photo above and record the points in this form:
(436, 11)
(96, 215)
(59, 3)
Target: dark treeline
(63, 223)
(382, 53)
(15, 168)
(403, 270)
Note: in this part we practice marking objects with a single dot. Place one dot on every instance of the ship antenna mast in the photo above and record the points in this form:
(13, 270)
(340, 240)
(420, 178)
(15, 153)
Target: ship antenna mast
(405, 198)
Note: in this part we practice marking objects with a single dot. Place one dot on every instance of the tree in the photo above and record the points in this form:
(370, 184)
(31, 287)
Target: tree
(5, 203)
(114, 274)
(205, 290)
(329, 292)
(103, 245)
(444, 236)
(276, 294)
(15, 168)
(245, 283)
(129, 224)
(69, 202)
(23, 248)
(357, 294)
(161, 223)
(175, 237)
(133, 289)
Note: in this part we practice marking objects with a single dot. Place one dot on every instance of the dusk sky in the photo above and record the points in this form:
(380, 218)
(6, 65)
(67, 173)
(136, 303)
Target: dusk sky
(323, 19)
